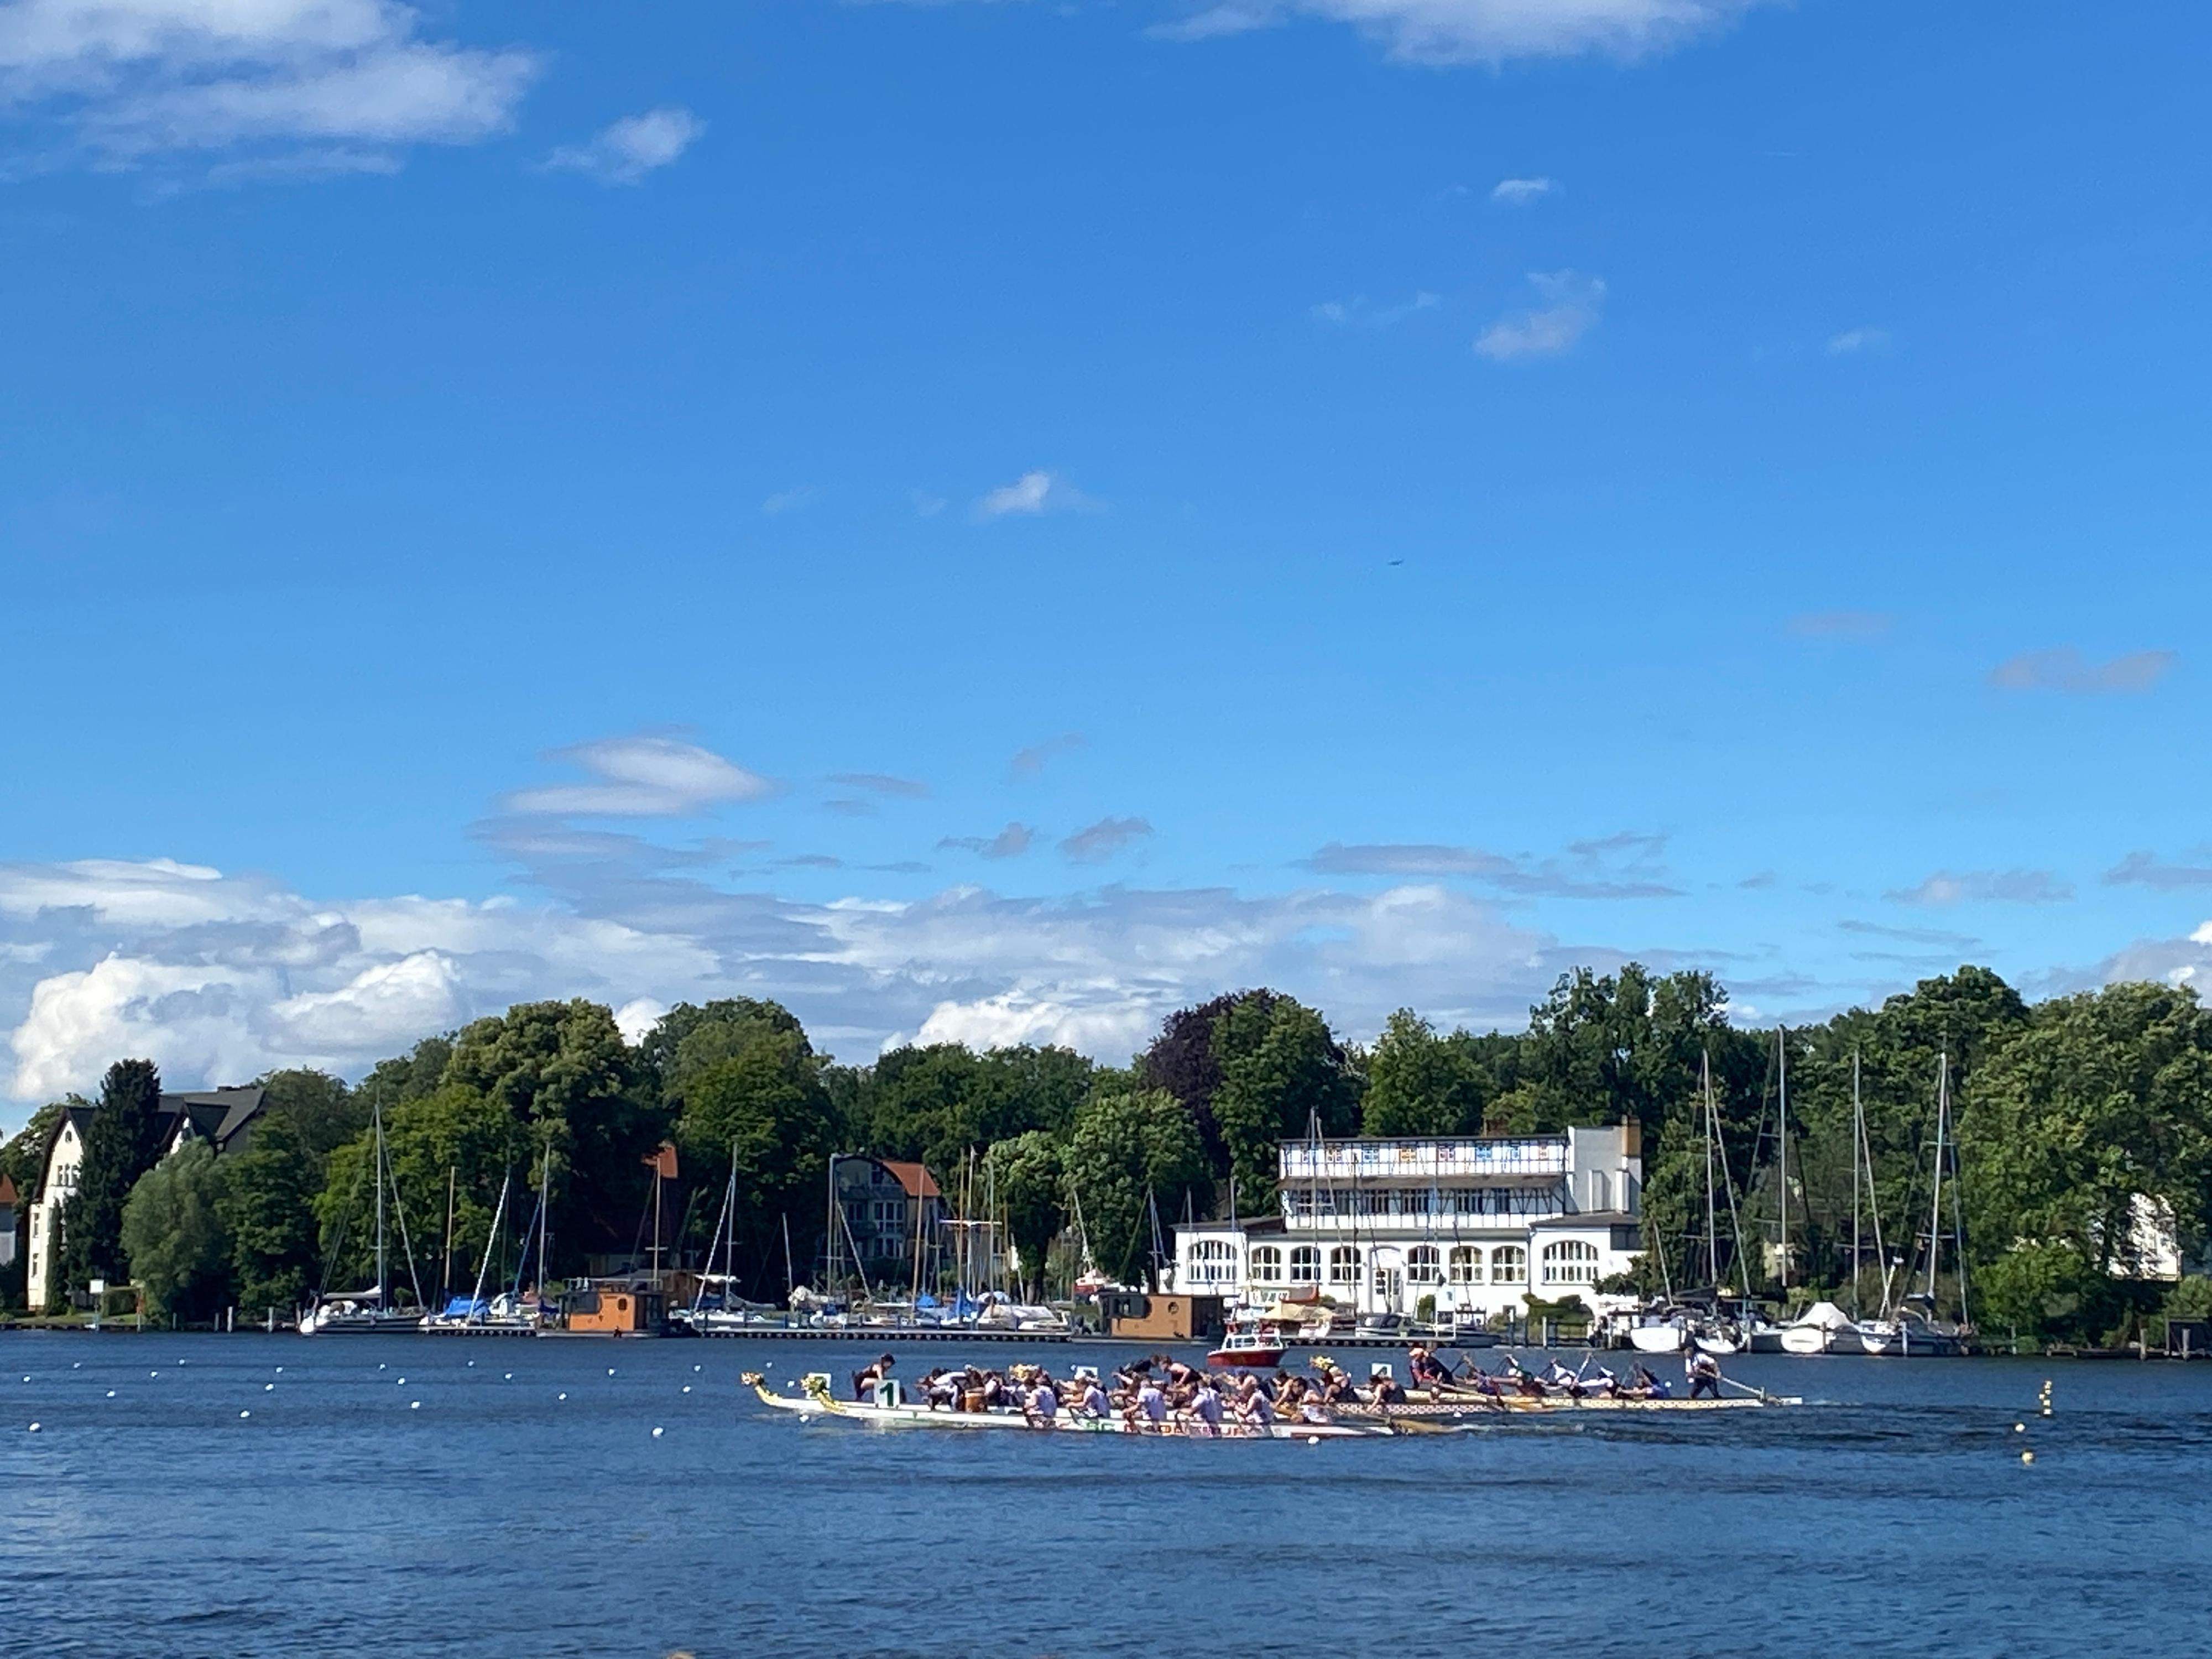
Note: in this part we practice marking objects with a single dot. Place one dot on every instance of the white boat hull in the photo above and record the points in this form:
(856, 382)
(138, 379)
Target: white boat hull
(1657, 1339)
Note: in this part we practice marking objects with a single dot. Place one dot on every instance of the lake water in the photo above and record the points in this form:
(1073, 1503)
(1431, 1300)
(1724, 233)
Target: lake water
(497, 1518)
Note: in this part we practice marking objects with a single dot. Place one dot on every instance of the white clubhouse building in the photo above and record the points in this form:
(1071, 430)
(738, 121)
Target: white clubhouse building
(1477, 1222)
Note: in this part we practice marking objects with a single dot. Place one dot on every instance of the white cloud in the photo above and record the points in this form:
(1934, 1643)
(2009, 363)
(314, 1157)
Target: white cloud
(1096, 843)
(1357, 313)
(325, 85)
(623, 152)
(637, 1016)
(1520, 192)
(1568, 311)
(226, 976)
(1852, 341)
(1482, 31)
(1032, 493)
(641, 777)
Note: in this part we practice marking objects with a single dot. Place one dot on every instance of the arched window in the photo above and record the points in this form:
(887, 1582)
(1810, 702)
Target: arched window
(1422, 1262)
(1344, 1265)
(1570, 1262)
(1305, 1264)
(1267, 1265)
(1466, 1265)
(1509, 1265)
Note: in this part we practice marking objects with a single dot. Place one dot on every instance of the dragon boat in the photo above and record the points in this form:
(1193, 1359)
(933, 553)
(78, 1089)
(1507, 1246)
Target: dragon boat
(814, 1399)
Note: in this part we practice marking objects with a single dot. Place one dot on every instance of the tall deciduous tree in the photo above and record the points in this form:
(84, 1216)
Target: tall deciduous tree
(1123, 1149)
(267, 1206)
(120, 1145)
(1281, 1071)
(172, 1234)
(1029, 1176)
(562, 1069)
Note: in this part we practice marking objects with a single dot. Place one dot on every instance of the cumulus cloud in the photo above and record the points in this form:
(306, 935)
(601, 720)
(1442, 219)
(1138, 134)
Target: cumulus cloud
(1520, 192)
(1948, 887)
(1569, 310)
(1009, 842)
(641, 777)
(1854, 341)
(218, 977)
(625, 151)
(328, 85)
(2065, 669)
(1618, 866)
(1480, 31)
(1095, 843)
(1032, 494)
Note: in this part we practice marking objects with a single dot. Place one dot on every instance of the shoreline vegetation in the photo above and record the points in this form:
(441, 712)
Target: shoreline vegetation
(2083, 1126)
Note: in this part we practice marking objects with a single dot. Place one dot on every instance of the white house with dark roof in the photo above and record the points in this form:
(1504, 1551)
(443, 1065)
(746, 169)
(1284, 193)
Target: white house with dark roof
(221, 1117)
(1476, 1222)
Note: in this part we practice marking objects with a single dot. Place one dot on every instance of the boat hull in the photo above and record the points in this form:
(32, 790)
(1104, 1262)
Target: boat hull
(923, 1417)
(1657, 1339)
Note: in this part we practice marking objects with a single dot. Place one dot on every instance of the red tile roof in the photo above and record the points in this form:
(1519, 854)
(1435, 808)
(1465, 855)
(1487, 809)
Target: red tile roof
(917, 1181)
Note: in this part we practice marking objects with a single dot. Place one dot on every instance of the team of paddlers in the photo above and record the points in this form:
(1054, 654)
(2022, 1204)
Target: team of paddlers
(1160, 1392)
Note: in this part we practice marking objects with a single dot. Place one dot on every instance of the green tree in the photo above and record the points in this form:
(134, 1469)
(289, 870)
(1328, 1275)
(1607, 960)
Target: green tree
(1420, 1084)
(1281, 1071)
(1123, 1149)
(2094, 1125)
(563, 1070)
(119, 1146)
(763, 1108)
(322, 1112)
(939, 1102)
(411, 1076)
(1029, 1176)
(172, 1234)
(267, 1207)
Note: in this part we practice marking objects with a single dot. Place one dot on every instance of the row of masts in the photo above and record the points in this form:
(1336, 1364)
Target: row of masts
(1865, 1207)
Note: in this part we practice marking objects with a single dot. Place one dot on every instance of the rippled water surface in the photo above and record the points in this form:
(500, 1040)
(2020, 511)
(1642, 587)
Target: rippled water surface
(470, 1508)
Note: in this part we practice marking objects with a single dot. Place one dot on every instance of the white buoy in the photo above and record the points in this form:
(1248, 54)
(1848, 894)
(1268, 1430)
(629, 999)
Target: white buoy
(561, 1397)
(656, 1434)
(2027, 1457)
(687, 1388)
(414, 1405)
(401, 1383)
(110, 1393)
(611, 1371)
(245, 1413)
(1313, 1440)
(77, 1365)
(510, 1377)
(35, 1428)
(268, 1388)
(149, 1373)
(2020, 1428)
(694, 1368)
(279, 1370)
(380, 1366)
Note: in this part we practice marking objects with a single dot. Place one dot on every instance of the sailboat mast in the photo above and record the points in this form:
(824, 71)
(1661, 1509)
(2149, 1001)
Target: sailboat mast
(1782, 1142)
(1712, 1224)
(446, 1272)
(382, 1296)
(1935, 1199)
(1858, 1137)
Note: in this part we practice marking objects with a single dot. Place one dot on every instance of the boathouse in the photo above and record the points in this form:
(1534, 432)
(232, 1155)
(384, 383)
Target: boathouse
(224, 1118)
(1474, 1224)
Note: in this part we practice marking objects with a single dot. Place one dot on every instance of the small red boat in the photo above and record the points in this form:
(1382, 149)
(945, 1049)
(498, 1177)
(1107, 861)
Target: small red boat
(1260, 1348)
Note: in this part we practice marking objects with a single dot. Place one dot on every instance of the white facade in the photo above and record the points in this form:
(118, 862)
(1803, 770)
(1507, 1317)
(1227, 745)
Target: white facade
(1477, 1223)
(64, 1159)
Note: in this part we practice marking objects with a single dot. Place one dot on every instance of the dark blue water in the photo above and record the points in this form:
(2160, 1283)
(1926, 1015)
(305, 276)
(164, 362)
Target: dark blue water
(498, 1519)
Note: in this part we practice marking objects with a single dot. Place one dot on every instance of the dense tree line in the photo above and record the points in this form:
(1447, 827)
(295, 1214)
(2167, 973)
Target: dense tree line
(2082, 1128)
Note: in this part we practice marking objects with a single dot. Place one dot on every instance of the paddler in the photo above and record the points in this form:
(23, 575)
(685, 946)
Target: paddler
(1041, 1404)
(1092, 1401)
(1703, 1372)
(865, 1379)
(1425, 1368)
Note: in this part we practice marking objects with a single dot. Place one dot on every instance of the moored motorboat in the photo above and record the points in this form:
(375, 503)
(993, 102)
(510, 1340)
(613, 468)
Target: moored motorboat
(1821, 1328)
(1908, 1336)
(1262, 1348)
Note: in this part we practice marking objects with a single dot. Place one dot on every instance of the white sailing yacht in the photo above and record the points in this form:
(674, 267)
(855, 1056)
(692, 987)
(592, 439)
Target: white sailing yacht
(370, 1312)
(1912, 1333)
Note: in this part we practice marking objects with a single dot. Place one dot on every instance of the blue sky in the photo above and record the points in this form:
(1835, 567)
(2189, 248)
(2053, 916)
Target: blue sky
(992, 520)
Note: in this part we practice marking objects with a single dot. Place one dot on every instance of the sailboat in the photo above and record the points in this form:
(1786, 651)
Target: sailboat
(1823, 1328)
(1912, 1333)
(370, 1312)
